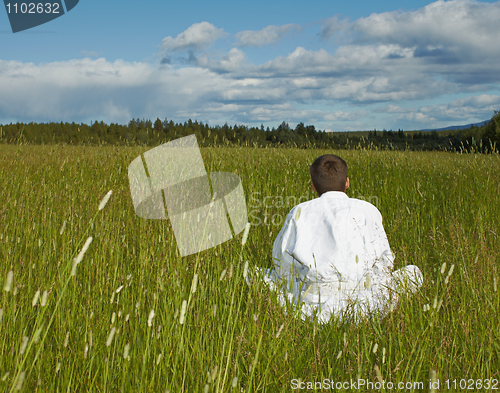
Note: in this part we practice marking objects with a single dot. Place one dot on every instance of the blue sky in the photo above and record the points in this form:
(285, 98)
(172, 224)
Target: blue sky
(355, 65)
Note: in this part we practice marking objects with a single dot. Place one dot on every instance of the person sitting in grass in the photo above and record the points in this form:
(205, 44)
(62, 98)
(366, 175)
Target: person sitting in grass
(332, 256)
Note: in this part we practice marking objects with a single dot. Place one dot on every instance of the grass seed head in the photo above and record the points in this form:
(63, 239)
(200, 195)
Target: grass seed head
(8, 281)
(245, 234)
(62, 228)
(214, 373)
(20, 380)
(378, 373)
(126, 351)
(105, 200)
(193, 284)
(245, 270)
(443, 268)
(183, 312)
(24, 344)
(110, 337)
(150, 317)
(43, 301)
(234, 382)
(83, 250)
(279, 330)
(35, 298)
(36, 336)
(451, 270)
(433, 377)
(79, 257)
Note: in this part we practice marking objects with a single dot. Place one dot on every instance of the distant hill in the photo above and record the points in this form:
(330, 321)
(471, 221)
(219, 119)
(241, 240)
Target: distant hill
(457, 127)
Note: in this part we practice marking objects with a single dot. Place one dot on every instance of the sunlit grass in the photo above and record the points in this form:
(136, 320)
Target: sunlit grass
(137, 317)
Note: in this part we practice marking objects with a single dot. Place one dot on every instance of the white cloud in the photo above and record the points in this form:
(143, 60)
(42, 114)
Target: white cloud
(390, 58)
(482, 101)
(458, 112)
(196, 36)
(452, 24)
(234, 60)
(393, 109)
(476, 107)
(266, 36)
(443, 32)
(82, 90)
(334, 25)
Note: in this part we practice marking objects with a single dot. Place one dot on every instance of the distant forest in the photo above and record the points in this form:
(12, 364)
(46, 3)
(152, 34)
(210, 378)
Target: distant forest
(143, 132)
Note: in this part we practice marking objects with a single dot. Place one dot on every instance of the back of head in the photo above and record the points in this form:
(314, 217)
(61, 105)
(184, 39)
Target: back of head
(329, 173)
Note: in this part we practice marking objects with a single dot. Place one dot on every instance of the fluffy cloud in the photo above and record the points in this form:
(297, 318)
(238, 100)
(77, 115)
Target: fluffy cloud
(445, 48)
(480, 107)
(98, 89)
(117, 91)
(197, 36)
(233, 61)
(455, 25)
(457, 112)
(442, 32)
(266, 36)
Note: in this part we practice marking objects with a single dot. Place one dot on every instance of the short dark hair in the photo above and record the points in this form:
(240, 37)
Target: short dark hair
(328, 173)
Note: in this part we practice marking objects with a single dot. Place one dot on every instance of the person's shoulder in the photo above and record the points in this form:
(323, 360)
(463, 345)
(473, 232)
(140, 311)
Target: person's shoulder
(365, 207)
(306, 205)
(303, 207)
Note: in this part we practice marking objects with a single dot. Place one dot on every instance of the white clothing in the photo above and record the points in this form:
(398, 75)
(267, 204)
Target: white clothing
(332, 255)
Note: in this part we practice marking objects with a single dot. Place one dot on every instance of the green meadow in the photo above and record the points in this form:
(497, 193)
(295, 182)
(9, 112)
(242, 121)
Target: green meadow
(116, 322)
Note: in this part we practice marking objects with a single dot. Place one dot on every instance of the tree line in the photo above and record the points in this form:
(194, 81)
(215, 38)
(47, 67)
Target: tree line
(485, 138)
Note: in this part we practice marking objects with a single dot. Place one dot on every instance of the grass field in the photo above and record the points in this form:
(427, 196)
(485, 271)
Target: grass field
(118, 324)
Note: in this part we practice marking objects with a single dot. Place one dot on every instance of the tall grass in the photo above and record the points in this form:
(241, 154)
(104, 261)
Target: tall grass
(132, 319)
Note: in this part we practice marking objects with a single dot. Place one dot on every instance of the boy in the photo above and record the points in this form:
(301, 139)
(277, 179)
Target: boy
(332, 253)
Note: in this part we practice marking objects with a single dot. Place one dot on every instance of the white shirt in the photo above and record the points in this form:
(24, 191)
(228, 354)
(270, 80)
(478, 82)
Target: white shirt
(331, 251)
